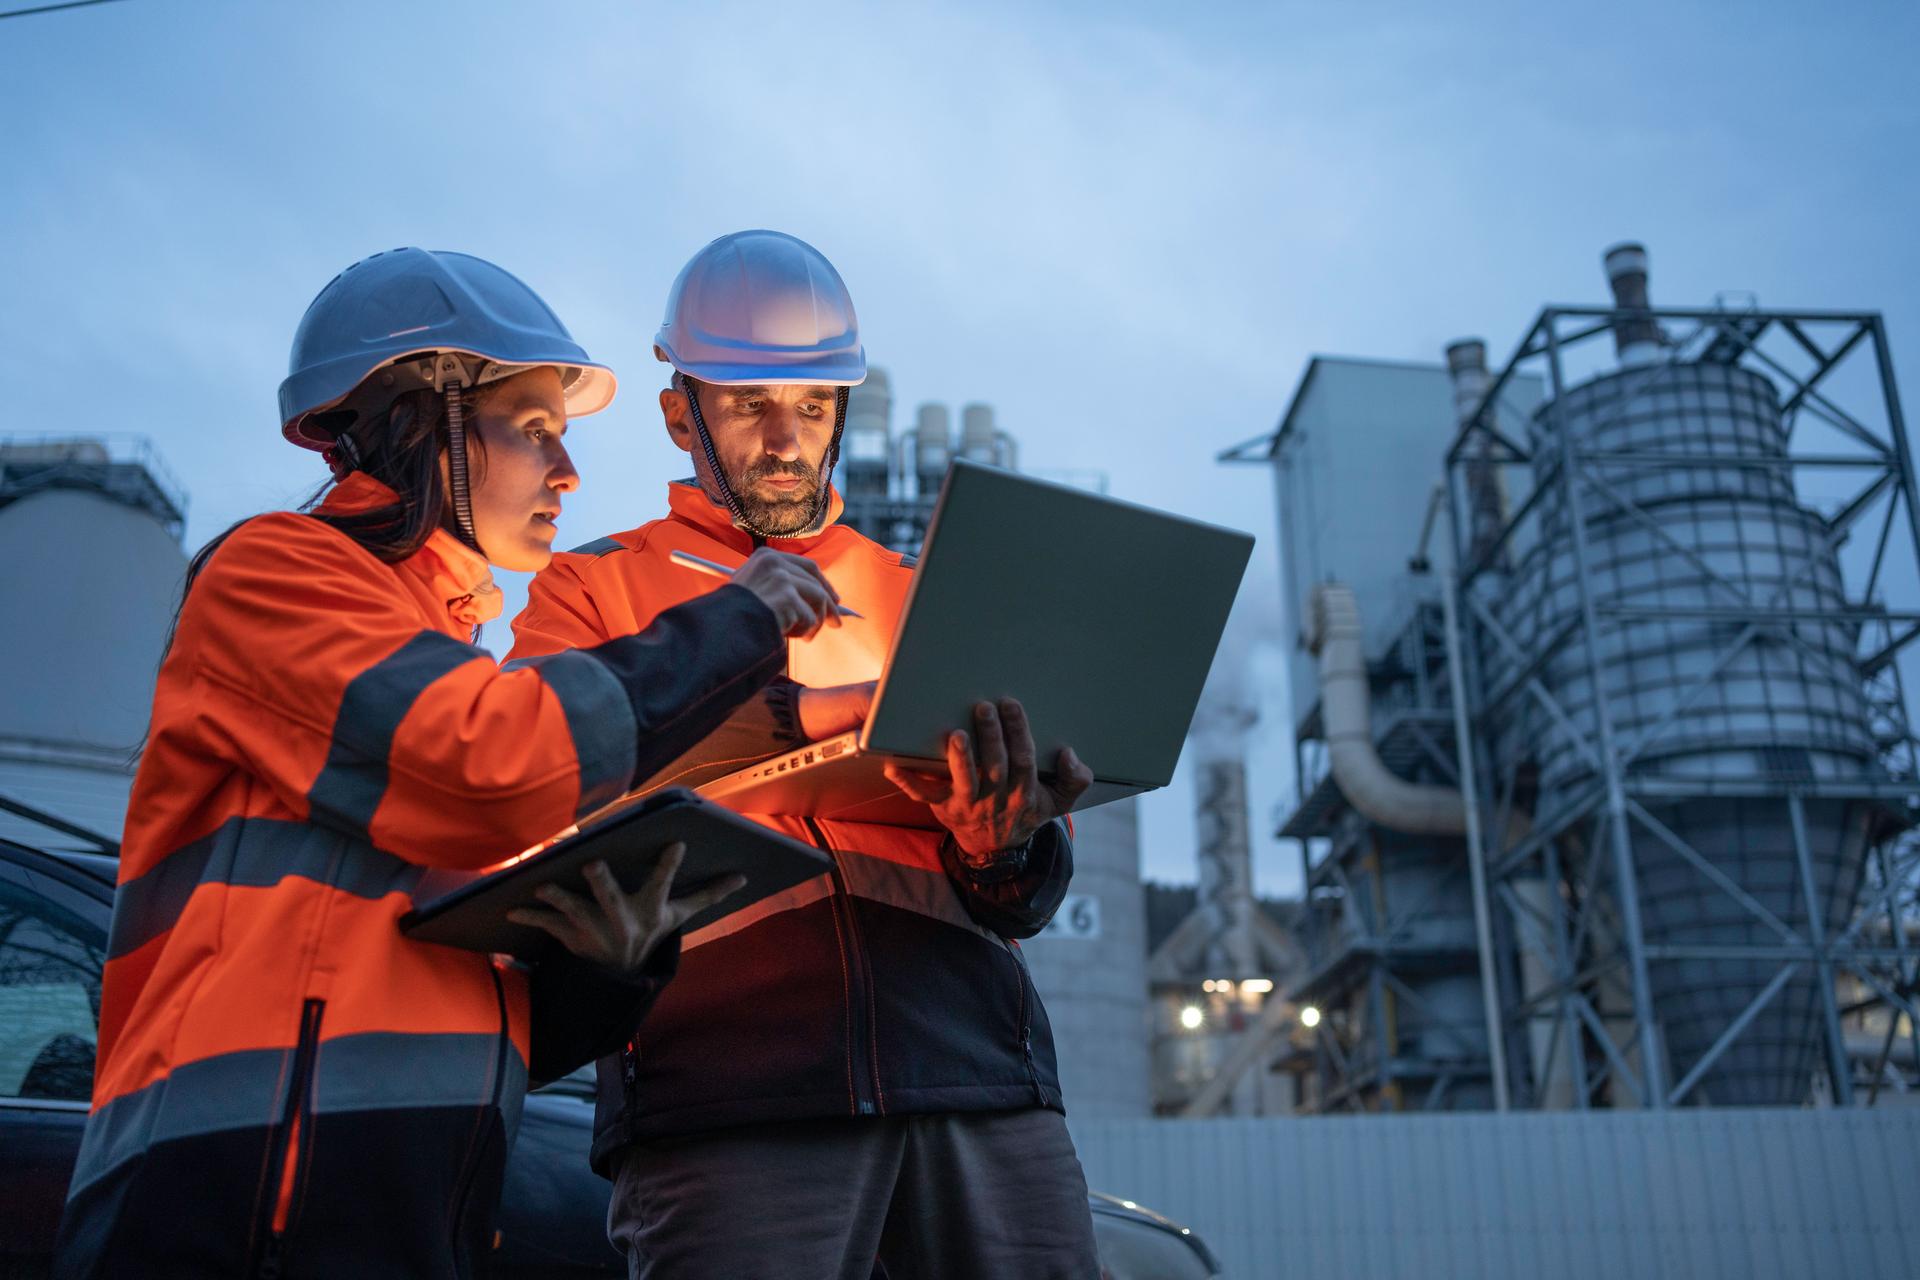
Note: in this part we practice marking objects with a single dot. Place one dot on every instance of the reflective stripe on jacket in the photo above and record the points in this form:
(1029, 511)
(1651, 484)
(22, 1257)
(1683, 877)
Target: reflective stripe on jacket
(285, 1084)
(890, 986)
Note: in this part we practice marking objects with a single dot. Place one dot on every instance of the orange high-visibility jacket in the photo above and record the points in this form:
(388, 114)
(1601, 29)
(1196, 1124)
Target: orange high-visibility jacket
(283, 1080)
(887, 987)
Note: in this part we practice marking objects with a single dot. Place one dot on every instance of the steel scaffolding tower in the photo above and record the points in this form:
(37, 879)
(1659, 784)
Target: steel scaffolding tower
(1389, 933)
(1665, 666)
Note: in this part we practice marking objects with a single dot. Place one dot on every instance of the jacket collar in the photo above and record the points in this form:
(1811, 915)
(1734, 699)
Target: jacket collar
(451, 570)
(690, 504)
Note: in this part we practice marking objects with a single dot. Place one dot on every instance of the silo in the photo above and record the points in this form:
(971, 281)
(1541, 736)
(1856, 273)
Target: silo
(982, 441)
(932, 446)
(1691, 693)
(90, 567)
(1090, 968)
(868, 444)
(977, 433)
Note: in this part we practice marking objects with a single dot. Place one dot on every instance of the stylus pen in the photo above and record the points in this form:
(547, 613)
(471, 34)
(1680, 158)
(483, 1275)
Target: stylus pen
(692, 561)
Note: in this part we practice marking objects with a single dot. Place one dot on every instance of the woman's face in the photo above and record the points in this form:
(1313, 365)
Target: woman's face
(520, 469)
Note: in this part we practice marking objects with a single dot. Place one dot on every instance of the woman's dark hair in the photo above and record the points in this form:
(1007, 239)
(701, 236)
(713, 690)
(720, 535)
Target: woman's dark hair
(400, 446)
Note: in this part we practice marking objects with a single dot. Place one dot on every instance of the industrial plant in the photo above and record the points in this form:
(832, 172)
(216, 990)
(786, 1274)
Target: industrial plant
(1605, 768)
(1606, 801)
(890, 483)
(77, 685)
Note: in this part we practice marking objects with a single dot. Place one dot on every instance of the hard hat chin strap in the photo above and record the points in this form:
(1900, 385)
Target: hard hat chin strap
(343, 455)
(458, 488)
(821, 500)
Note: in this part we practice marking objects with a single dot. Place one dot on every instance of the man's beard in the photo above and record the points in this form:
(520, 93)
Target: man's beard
(783, 516)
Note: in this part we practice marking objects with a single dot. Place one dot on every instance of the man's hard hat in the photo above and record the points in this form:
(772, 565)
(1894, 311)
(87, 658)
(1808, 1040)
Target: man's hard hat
(762, 307)
(431, 304)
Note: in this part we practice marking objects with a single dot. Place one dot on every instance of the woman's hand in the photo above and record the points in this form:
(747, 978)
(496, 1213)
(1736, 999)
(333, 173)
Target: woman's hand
(793, 587)
(834, 709)
(618, 930)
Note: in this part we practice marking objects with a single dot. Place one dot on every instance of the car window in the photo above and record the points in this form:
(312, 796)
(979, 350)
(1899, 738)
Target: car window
(50, 963)
(578, 1083)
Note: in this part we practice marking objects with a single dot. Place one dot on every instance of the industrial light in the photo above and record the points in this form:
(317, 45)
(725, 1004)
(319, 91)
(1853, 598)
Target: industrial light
(1309, 1017)
(1191, 1017)
(1256, 986)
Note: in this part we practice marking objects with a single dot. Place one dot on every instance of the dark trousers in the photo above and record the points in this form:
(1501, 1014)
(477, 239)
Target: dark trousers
(940, 1197)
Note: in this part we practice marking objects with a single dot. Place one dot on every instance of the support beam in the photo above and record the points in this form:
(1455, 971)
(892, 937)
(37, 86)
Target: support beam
(1275, 1020)
(1476, 848)
(1839, 1068)
(1733, 1032)
(1626, 882)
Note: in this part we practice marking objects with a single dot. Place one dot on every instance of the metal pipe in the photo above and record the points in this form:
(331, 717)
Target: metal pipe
(1379, 794)
(1486, 496)
(1476, 849)
(1636, 335)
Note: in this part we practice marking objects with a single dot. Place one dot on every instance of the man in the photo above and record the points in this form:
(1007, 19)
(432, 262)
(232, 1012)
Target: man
(857, 1072)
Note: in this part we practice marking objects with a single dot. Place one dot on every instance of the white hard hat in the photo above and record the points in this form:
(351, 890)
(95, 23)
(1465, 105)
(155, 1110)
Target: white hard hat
(762, 307)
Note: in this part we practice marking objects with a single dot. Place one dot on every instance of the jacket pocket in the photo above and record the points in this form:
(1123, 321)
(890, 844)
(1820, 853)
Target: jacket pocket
(1023, 983)
(284, 1153)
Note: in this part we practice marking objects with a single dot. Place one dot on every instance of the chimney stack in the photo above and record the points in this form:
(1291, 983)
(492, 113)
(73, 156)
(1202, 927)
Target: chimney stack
(1486, 494)
(1637, 338)
(1467, 366)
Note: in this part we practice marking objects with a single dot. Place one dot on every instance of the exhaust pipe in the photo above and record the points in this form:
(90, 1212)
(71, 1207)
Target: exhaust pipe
(1636, 337)
(1377, 792)
(1486, 493)
(1381, 795)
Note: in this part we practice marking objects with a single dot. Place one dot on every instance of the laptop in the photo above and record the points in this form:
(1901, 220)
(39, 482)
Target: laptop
(1100, 616)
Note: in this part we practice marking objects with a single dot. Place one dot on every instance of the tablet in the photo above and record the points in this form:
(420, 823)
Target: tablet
(630, 837)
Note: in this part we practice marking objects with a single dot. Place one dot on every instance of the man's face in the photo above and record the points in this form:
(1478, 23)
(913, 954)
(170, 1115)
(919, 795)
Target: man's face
(771, 441)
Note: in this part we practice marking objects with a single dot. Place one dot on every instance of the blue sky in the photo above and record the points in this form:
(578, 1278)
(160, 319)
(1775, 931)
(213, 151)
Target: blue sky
(1125, 225)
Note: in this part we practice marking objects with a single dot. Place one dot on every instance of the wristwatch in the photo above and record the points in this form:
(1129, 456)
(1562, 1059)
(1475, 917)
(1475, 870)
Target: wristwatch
(993, 868)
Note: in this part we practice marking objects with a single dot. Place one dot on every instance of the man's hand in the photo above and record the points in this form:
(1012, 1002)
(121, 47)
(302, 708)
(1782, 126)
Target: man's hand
(992, 797)
(793, 587)
(618, 930)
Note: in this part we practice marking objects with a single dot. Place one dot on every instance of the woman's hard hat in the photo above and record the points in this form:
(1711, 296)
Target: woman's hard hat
(762, 307)
(468, 321)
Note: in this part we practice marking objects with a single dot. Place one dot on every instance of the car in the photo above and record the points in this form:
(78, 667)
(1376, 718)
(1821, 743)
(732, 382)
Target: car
(55, 907)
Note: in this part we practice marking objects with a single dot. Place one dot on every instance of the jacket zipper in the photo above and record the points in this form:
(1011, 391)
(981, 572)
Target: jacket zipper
(283, 1156)
(499, 1078)
(1026, 1022)
(866, 1071)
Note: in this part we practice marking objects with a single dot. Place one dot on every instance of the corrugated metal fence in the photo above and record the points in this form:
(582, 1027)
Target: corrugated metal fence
(1689, 1195)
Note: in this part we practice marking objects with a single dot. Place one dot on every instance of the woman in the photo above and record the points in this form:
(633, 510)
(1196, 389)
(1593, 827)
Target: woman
(285, 1084)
